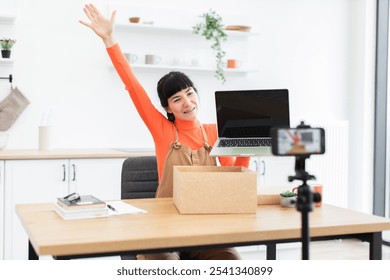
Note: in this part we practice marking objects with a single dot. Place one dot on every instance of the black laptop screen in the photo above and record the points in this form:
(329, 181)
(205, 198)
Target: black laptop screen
(251, 113)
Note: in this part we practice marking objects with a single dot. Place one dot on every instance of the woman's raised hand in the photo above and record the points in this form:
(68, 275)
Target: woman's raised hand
(102, 26)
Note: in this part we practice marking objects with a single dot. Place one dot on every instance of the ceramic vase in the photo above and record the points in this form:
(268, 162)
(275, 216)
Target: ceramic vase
(288, 202)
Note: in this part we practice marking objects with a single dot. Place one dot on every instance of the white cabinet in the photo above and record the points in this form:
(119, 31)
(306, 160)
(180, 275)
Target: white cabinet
(28, 181)
(1, 208)
(33, 181)
(100, 177)
(273, 172)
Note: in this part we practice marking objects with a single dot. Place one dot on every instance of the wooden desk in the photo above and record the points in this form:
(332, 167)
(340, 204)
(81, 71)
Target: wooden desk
(163, 228)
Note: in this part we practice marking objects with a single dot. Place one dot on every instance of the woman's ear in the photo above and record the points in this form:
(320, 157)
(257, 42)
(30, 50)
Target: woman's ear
(168, 110)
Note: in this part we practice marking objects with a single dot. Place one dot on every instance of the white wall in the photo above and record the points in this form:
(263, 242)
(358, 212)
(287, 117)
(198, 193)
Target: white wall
(321, 50)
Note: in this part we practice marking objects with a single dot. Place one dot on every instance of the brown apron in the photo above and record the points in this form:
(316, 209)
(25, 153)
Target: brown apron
(179, 154)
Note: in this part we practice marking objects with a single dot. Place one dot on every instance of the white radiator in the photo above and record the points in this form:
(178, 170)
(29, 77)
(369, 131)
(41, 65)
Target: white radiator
(331, 169)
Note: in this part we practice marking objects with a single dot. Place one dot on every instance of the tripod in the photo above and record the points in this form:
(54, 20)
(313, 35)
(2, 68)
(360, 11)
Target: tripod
(304, 201)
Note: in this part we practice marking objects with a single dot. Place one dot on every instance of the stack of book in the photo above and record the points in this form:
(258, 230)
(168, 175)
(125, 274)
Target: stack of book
(87, 206)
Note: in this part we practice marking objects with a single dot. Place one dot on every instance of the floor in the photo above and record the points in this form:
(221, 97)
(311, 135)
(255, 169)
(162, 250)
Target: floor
(347, 249)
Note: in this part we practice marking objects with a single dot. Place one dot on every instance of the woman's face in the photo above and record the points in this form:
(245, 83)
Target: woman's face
(184, 104)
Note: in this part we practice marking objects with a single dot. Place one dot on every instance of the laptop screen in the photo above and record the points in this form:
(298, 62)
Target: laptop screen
(251, 113)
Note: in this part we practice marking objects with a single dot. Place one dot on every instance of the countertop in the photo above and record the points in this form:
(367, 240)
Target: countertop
(18, 154)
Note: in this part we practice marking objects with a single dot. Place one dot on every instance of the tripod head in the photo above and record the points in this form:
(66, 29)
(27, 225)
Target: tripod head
(305, 196)
(300, 172)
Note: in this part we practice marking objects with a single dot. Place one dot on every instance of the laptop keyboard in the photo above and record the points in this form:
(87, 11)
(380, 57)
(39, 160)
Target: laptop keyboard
(251, 142)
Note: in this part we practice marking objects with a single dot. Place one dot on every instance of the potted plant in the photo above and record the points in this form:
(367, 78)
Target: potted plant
(288, 199)
(212, 29)
(6, 46)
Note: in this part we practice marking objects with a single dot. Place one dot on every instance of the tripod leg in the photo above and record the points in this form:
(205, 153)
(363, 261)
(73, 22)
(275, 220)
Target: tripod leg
(305, 236)
(271, 251)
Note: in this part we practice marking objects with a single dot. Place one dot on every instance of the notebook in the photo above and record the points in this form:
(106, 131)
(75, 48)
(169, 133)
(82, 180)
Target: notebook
(245, 118)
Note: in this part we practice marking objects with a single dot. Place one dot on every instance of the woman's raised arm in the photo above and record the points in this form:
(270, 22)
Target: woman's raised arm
(102, 26)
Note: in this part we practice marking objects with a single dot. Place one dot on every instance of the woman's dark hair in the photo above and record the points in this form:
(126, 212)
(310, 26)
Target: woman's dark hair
(170, 84)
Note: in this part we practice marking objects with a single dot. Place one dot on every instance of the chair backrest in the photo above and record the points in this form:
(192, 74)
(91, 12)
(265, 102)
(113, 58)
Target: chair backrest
(139, 177)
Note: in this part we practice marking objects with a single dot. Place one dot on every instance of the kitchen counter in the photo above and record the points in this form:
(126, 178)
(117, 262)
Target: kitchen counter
(18, 154)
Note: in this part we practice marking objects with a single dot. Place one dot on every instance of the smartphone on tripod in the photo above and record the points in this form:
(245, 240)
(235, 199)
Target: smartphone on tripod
(304, 141)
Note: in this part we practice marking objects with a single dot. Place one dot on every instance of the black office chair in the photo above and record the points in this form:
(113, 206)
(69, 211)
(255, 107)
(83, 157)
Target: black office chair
(139, 177)
(139, 180)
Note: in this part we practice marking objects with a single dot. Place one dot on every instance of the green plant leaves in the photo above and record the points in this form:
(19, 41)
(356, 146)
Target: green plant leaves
(7, 44)
(212, 29)
(288, 194)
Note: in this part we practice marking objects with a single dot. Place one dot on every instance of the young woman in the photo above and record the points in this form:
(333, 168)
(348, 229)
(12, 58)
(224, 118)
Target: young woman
(180, 138)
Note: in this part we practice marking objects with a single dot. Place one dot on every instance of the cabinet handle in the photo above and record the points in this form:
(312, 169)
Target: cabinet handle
(263, 163)
(74, 172)
(256, 165)
(64, 169)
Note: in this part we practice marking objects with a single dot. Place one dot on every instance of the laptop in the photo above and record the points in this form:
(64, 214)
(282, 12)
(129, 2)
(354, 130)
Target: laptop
(245, 118)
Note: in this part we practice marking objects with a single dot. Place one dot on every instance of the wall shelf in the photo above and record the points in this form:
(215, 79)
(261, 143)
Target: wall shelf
(6, 61)
(186, 68)
(154, 35)
(7, 19)
(140, 27)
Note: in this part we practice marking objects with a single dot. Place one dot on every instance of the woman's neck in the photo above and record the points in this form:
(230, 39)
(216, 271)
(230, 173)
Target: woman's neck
(184, 124)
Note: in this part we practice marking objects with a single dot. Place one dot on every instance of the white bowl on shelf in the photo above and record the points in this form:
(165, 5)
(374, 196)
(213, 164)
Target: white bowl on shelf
(3, 139)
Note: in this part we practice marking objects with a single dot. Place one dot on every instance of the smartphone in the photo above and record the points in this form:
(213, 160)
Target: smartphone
(288, 141)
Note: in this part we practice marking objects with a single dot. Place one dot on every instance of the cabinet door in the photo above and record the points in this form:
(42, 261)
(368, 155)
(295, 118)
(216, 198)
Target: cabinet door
(277, 171)
(258, 166)
(1, 209)
(33, 181)
(273, 172)
(98, 177)
(29, 181)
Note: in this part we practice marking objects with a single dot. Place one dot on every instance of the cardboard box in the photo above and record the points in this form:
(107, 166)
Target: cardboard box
(268, 199)
(214, 189)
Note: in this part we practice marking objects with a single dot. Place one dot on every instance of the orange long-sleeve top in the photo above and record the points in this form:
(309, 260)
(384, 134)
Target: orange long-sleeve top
(163, 131)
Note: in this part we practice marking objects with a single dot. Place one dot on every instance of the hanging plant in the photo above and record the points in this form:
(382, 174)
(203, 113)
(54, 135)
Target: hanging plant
(212, 29)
